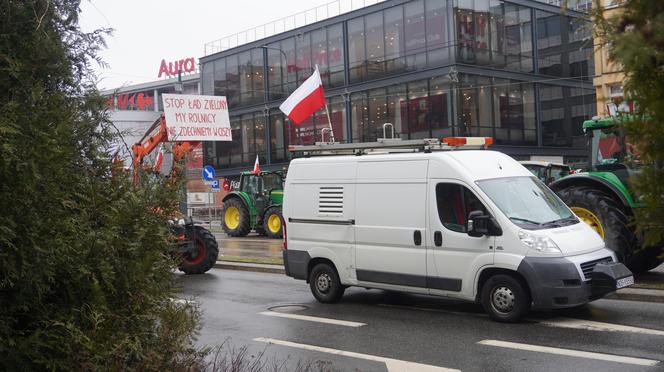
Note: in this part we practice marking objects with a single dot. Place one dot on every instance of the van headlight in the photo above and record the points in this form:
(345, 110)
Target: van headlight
(542, 244)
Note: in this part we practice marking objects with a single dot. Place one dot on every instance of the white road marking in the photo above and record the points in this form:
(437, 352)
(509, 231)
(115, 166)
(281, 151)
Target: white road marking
(313, 319)
(590, 325)
(559, 322)
(393, 365)
(570, 352)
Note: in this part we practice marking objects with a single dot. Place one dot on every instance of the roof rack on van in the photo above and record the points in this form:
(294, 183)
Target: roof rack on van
(392, 145)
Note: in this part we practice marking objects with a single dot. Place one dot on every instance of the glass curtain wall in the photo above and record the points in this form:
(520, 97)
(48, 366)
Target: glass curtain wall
(564, 46)
(494, 34)
(402, 38)
(311, 130)
(499, 108)
(291, 61)
(418, 109)
(486, 107)
(563, 110)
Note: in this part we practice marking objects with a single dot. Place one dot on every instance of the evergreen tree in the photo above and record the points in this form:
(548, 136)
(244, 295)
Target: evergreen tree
(86, 278)
(635, 40)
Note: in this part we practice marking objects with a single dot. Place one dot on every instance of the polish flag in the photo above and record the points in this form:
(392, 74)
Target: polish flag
(159, 160)
(306, 99)
(257, 166)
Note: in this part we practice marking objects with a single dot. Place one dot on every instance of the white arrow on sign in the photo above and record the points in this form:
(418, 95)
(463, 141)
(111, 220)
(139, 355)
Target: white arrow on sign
(207, 172)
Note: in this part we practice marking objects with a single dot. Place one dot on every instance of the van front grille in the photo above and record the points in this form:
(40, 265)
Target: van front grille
(588, 267)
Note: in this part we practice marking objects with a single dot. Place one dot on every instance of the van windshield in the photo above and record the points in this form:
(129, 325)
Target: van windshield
(528, 203)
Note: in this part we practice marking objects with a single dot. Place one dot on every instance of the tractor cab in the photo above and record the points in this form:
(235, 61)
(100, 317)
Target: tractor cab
(609, 147)
(262, 183)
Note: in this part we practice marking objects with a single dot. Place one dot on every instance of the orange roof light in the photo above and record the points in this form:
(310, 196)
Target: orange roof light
(470, 141)
(454, 141)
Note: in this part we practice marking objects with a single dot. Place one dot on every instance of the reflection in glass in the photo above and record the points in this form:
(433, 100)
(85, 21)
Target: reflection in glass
(356, 54)
(415, 34)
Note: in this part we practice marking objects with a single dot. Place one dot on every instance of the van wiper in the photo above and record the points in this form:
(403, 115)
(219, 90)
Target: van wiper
(562, 222)
(525, 220)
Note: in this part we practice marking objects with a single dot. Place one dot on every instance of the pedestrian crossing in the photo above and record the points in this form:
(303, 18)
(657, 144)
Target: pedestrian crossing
(393, 364)
(570, 352)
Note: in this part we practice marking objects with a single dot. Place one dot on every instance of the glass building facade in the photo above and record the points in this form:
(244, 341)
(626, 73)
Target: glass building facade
(520, 72)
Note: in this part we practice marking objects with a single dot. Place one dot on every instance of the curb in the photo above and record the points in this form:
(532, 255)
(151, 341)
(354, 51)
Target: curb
(242, 266)
(638, 294)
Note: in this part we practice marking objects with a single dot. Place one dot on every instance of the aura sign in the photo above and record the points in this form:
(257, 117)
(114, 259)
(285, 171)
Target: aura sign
(197, 118)
(172, 69)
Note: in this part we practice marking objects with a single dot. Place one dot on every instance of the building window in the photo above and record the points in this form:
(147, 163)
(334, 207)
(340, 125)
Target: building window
(562, 112)
(278, 138)
(418, 109)
(207, 78)
(616, 91)
(303, 62)
(438, 42)
(440, 99)
(495, 34)
(335, 55)
(375, 45)
(394, 43)
(415, 35)
(356, 53)
(314, 128)
(576, 58)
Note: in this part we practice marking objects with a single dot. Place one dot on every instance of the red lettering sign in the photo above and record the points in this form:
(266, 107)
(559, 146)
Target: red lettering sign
(172, 69)
(137, 101)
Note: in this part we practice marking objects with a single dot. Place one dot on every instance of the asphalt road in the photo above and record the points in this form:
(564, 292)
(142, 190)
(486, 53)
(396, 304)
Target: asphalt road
(387, 331)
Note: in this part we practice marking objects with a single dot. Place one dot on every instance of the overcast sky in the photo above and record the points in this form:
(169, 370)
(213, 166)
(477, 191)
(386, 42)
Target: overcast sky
(147, 31)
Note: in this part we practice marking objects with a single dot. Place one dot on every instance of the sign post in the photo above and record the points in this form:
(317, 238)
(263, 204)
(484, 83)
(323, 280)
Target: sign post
(209, 174)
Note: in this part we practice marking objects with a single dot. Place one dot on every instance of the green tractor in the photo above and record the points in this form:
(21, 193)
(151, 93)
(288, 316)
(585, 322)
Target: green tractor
(601, 196)
(255, 205)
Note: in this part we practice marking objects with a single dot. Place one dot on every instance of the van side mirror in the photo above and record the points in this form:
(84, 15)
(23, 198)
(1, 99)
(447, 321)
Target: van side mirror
(480, 224)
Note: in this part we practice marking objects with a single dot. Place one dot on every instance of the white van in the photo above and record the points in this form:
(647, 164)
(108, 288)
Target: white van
(423, 216)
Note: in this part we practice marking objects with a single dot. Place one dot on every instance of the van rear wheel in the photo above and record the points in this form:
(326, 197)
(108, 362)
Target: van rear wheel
(505, 298)
(324, 283)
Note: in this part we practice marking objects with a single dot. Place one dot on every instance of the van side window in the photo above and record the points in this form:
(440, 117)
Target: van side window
(454, 203)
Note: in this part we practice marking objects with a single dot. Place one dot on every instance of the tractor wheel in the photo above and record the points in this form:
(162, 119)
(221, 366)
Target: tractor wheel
(609, 219)
(273, 223)
(235, 221)
(205, 256)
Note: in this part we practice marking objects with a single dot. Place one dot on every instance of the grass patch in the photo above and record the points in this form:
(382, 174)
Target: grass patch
(256, 260)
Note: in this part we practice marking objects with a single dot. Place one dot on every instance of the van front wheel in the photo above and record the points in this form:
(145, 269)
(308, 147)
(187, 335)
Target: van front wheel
(505, 298)
(324, 283)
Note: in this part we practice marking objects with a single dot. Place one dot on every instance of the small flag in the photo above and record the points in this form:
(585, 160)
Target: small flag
(159, 160)
(305, 100)
(257, 166)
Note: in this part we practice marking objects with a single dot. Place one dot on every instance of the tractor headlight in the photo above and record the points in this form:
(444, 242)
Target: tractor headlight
(540, 244)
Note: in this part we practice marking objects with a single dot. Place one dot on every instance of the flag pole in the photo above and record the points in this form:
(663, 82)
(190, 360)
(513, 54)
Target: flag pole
(329, 122)
(327, 111)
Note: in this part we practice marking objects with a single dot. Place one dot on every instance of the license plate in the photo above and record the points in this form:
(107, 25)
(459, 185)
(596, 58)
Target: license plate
(624, 282)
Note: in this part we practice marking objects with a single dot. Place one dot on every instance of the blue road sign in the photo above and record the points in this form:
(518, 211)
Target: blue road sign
(209, 173)
(214, 186)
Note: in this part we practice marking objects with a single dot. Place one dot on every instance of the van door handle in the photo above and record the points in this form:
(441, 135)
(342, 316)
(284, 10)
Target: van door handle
(438, 239)
(417, 237)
